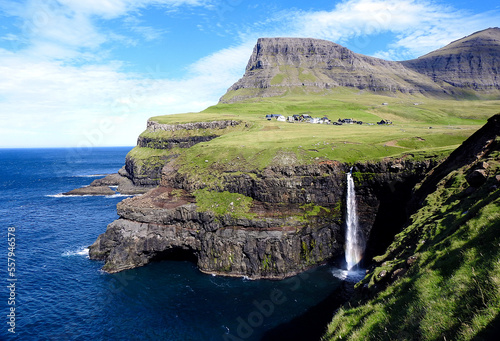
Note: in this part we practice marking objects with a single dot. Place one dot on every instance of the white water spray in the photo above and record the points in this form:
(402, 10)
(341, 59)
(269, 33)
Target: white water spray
(355, 243)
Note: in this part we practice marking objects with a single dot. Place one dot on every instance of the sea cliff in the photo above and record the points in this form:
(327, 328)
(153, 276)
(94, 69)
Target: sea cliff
(261, 223)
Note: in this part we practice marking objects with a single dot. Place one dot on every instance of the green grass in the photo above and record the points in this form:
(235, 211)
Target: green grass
(433, 128)
(452, 291)
(222, 203)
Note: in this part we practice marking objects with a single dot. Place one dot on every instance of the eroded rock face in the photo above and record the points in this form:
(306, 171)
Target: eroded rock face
(147, 173)
(155, 126)
(280, 64)
(278, 241)
(258, 248)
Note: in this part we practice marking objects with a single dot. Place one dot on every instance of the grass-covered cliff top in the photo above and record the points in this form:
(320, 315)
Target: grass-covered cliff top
(421, 126)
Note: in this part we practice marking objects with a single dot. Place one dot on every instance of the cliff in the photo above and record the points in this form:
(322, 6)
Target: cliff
(280, 65)
(260, 223)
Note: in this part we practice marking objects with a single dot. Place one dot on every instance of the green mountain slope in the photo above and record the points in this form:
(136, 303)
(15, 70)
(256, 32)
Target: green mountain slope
(440, 278)
(470, 63)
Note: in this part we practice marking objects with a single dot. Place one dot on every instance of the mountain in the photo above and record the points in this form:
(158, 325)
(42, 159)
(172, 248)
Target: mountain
(279, 65)
(471, 63)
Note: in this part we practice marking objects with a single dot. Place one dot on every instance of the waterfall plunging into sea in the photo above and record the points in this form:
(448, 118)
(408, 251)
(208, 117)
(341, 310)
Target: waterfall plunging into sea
(355, 244)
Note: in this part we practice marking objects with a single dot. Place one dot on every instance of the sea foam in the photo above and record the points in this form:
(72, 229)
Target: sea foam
(82, 251)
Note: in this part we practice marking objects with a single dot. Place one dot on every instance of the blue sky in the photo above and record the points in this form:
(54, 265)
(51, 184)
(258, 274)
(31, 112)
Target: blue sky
(77, 73)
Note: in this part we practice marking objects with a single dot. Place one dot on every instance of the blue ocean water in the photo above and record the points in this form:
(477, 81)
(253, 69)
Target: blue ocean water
(60, 294)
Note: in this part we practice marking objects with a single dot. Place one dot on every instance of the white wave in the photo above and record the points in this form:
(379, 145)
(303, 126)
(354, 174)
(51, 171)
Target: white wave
(339, 273)
(90, 175)
(60, 195)
(82, 251)
(352, 276)
(118, 195)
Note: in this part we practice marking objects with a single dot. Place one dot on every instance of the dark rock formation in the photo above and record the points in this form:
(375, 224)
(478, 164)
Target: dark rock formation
(91, 190)
(157, 223)
(179, 142)
(477, 177)
(278, 64)
(279, 241)
(103, 186)
(147, 172)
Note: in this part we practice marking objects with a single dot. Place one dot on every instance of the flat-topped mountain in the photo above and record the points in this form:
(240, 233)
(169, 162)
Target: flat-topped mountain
(278, 65)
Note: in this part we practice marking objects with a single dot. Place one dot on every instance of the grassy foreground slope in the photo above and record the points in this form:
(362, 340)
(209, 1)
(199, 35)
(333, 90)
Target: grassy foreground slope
(422, 127)
(440, 279)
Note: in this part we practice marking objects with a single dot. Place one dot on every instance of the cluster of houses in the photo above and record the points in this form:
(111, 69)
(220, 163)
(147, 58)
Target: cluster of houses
(299, 118)
(317, 120)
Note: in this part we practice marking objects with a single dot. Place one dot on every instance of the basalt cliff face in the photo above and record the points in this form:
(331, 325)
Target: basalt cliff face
(278, 65)
(295, 219)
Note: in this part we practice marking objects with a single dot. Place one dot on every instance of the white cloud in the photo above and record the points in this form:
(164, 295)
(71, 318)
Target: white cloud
(109, 9)
(59, 104)
(418, 26)
(147, 32)
(50, 100)
(72, 24)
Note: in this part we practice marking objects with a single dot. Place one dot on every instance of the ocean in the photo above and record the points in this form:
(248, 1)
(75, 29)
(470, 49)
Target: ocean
(51, 290)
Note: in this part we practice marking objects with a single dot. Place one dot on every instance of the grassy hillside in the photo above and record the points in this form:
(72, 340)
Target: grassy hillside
(440, 279)
(422, 127)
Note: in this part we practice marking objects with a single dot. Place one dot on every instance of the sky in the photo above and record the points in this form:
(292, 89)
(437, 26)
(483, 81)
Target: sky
(77, 73)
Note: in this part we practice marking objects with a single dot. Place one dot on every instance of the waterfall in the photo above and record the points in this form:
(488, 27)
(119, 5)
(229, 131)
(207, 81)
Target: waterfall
(355, 244)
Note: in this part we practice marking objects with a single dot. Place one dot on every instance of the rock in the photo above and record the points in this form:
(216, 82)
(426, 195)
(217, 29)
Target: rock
(314, 65)
(273, 244)
(102, 186)
(144, 233)
(91, 190)
(108, 180)
(174, 142)
(477, 177)
(382, 274)
(410, 260)
(396, 167)
(483, 165)
(155, 126)
(398, 273)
